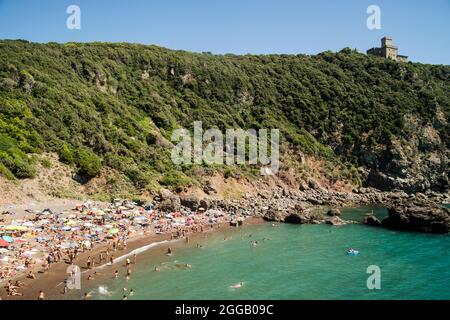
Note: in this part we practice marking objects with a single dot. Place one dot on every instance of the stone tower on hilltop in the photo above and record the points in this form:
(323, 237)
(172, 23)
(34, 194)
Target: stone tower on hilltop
(387, 50)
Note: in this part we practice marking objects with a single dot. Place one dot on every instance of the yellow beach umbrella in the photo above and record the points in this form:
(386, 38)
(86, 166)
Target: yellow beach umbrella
(16, 228)
(113, 231)
(70, 223)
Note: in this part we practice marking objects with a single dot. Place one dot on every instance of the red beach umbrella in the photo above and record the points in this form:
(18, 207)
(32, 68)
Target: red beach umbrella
(4, 243)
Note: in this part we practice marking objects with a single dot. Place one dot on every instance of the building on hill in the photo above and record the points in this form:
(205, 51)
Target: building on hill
(387, 50)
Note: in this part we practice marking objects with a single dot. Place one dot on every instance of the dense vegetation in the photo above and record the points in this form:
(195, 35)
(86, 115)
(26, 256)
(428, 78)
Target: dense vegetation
(115, 105)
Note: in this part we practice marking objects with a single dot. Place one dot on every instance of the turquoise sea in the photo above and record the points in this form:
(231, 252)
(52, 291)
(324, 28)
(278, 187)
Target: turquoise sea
(292, 262)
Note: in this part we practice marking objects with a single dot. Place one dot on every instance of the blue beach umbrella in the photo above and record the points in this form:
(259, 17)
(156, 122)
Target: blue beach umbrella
(8, 239)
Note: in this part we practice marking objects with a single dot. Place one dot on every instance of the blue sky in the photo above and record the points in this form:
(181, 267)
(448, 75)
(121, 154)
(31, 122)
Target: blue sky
(421, 29)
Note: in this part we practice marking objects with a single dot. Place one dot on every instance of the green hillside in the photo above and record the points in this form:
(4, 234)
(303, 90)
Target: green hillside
(116, 104)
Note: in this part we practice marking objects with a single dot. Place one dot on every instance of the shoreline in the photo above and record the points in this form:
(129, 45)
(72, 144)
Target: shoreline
(290, 207)
(51, 283)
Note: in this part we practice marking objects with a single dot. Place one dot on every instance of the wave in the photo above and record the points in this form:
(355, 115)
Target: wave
(133, 252)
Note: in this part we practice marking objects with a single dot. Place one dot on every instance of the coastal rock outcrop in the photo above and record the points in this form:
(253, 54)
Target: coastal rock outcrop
(295, 216)
(192, 202)
(421, 219)
(371, 220)
(168, 201)
(333, 212)
(274, 215)
(336, 221)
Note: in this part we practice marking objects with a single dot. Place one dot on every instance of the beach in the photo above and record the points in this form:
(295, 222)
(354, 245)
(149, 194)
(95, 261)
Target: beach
(38, 245)
(42, 244)
(289, 261)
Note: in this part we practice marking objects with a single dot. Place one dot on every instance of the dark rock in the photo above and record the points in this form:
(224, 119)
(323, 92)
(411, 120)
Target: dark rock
(421, 219)
(204, 203)
(371, 220)
(165, 194)
(303, 186)
(333, 212)
(294, 218)
(312, 216)
(168, 201)
(169, 205)
(192, 202)
(336, 221)
(274, 215)
(313, 184)
(209, 189)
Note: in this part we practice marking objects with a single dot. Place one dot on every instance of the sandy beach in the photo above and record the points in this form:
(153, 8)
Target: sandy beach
(52, 281)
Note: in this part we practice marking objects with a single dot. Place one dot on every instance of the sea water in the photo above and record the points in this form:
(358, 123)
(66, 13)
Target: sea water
(294, 262)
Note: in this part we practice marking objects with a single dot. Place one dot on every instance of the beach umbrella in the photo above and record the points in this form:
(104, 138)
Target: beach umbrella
(8, 239)
(29, 253)
(140, 220)
(87, 243)
(70, 223)
(16, 228)
(69, 244)
(28, 224)
(113, 231)
(66, 228)
(4, 244)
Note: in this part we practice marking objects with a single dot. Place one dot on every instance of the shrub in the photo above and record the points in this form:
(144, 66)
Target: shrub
(89, 164)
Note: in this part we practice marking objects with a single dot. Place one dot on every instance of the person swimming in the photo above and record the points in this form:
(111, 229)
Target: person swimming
(237, 286)
(87, 295)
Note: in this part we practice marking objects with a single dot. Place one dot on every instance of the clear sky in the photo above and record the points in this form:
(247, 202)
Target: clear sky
(421, 29)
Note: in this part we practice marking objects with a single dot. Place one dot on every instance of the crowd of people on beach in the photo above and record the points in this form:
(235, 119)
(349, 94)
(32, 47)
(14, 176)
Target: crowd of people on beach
(32, 243)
